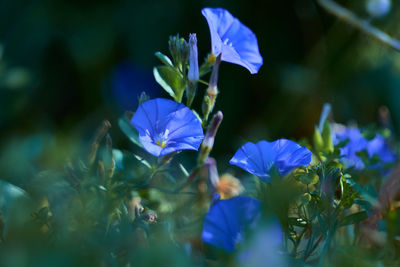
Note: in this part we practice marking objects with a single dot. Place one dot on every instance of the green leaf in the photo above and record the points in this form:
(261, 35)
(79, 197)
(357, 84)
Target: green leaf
(183, 169)
(323, 140)
(171, 80)
(164, 59)
(327, 137)
(143, 161)
(130, 131)
(317, 138)
(353, 218)
(310, 178)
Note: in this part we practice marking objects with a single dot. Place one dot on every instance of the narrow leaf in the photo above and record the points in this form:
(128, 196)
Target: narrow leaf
(130, 131)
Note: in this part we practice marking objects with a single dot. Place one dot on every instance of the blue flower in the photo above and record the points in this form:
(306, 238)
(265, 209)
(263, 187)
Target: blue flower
(258, 158)
(227, 220)
(379, 146)
(166, 126)
(355, 143)
(237, 43)
(127, 82)
(266, 244)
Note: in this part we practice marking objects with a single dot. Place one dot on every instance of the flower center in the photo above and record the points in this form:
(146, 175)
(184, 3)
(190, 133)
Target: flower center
(162, 139)
(161, 143)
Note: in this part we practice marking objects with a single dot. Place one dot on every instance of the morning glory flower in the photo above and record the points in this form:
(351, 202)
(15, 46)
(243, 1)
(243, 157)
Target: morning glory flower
(356, 142)
(235, 41)
(267, 244)
(379, 146)
(166, 126)
(227, 220)
(258, 158)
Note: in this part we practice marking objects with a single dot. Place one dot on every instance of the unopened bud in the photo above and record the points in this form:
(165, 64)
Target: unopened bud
(212, 91)
(143, 98)
(193, 74)
(208, 141)
(213, 175)
(212, 86)
(179, 50)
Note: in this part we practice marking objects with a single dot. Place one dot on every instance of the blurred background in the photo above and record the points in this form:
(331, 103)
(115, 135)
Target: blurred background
(68, 65)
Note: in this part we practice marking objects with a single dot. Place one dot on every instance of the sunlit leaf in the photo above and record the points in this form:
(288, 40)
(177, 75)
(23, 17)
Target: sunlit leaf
(171, 80)
(130, 131)
(164, 59)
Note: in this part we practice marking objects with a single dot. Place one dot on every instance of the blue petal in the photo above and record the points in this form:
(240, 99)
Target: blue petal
(380, 147)
(290, 155)
(237, 43)
(164, 117)
(226, 221)
(356, 143)
(256, 159)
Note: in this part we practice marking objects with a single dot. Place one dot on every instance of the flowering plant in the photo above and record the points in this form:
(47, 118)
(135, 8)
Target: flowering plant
(297, 203)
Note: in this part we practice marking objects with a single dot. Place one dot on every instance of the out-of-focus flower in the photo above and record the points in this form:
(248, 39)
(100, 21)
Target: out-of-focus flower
(127, 82)
(227, 220)
(258, 158)
(267, 244)
(356, 142)
(379, 146)
(378, 8)
(235, 41)
(166, 126)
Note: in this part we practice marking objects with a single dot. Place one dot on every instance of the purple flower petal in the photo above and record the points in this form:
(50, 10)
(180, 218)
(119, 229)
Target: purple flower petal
(166, 126)
(237, 43)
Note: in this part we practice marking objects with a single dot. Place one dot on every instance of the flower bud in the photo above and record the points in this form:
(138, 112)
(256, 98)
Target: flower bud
(179, 50)
(213, 175)
(193, 75)
(212, 91)
(143, 98)
(208, 141)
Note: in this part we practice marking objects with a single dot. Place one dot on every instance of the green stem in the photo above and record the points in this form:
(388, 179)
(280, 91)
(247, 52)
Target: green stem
(361, 24)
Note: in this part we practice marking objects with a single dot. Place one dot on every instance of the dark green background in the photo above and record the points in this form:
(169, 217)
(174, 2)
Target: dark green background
(72, 47)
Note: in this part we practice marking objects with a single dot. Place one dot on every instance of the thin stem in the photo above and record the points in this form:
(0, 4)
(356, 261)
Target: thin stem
(361, 24)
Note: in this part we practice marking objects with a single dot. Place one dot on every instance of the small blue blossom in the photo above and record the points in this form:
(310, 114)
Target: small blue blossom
(258, 158)
(235, 41)
(227, 220)
(379, 146)
(166, 126)
(356, 142)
